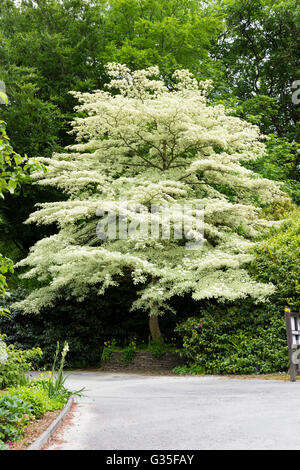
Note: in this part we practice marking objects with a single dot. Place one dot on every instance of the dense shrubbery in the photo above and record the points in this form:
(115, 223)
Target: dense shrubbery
(19, 362)
(277, 260)
(233, 342)
(84, 325)
(15, 415)
(38, 399)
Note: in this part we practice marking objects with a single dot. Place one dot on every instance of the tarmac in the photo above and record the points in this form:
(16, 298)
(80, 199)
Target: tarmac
(122, 411)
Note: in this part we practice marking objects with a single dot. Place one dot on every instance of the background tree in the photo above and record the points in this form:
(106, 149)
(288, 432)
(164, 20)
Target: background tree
(260, 50)
(14, 170)
(171, 34)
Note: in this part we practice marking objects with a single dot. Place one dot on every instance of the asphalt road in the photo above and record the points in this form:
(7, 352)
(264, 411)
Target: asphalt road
(138, 412)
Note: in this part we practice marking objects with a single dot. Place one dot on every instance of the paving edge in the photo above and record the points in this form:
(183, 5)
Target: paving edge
(45, 436)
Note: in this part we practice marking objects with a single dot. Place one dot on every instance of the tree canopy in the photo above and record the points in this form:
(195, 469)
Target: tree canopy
(14, 170)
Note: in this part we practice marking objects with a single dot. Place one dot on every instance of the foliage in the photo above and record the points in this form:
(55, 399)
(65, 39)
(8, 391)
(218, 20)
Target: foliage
(277, 259)
(51, 48)
(128, 353)
(85, 325)
(38, 399)
(54, 384)
(3, 446)
(107, 350)
(18, 363)
(222, 344)
(248, 47)
(245, 338)
(192, 369)
(54, 46)
(31, 122)
(14, 170)
(170, 33)
(281, 162)
(259, 49)
(159, 348)
(158, 158)
(6, 265)
(15, 415)
(58, 46)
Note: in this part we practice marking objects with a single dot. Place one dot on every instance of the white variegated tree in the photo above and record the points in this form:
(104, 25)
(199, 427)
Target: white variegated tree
(142, 143)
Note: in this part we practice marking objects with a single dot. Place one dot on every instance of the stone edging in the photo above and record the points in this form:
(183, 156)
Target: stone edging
(45, 436)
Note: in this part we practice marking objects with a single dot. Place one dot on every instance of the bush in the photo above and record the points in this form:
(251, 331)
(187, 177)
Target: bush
(226, 343)
(128, 353)
(38, 399)
(277, 261)
(85, 325)
(158, 348)
(192, 369)
(18, 362)
(15, 415)
(107, 350)
(3, 446)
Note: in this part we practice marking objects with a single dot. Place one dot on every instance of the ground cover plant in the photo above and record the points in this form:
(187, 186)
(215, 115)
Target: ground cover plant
(23, 400)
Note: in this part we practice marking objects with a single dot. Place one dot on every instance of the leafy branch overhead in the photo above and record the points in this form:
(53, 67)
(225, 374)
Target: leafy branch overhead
(14, 170)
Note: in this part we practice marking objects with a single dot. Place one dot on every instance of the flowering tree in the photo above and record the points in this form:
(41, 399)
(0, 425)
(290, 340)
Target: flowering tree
(141, 143)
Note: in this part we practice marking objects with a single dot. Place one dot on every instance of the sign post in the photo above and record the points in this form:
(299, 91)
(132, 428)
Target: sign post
(292, 321)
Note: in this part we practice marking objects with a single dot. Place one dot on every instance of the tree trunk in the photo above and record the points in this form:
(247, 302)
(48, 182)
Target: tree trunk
(154, 328)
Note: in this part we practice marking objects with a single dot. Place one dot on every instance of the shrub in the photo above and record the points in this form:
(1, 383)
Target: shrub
(15, 415)
(18, 363)
(224, 344)
(38, 399)
(129, 352)
(277, 261)
(107, 350)
(158, 348)
(193, 369)
(3, 446)
(85, 325)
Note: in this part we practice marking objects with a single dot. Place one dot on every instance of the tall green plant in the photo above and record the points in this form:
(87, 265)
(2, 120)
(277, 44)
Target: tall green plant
(54, 384)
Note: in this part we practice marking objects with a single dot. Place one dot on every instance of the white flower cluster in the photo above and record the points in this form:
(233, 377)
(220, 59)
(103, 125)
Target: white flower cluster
(3, 352)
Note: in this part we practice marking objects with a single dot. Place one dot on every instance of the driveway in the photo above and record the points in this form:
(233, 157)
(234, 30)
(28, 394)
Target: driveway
(138, 412)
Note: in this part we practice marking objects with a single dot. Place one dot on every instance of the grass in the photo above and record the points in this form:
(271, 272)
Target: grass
(284, 376)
